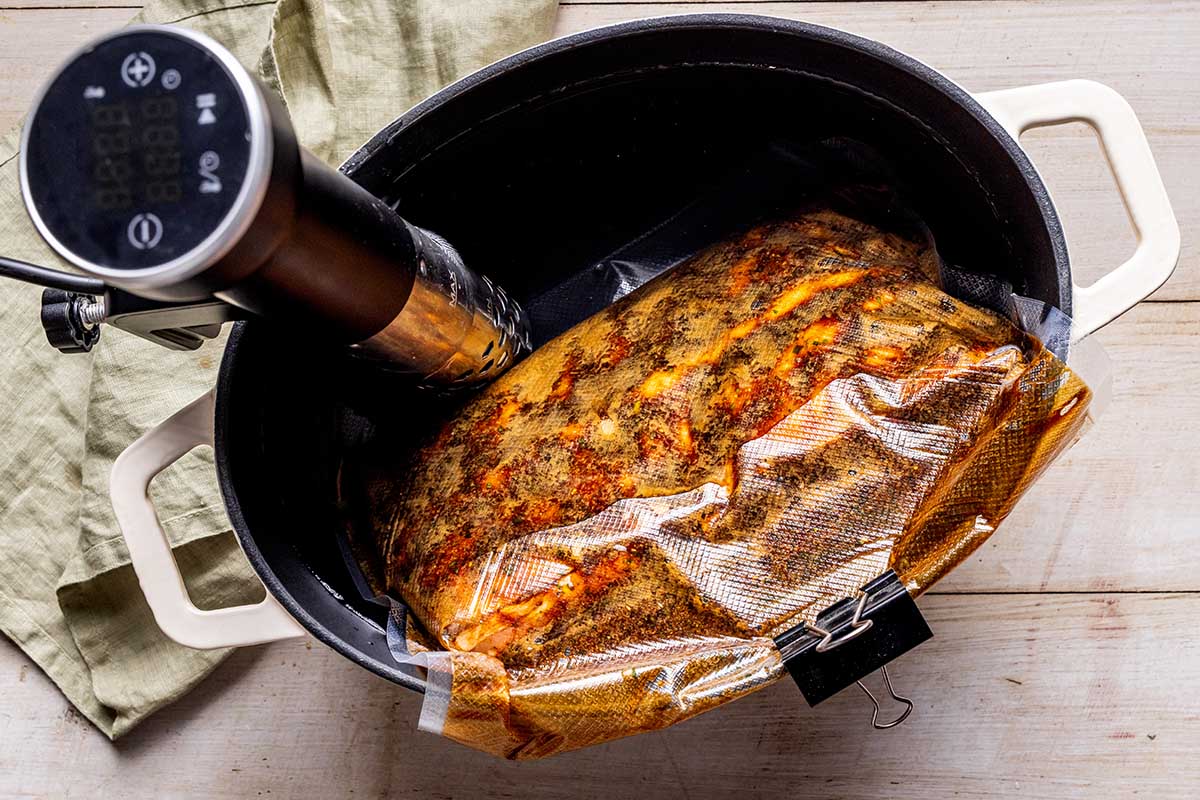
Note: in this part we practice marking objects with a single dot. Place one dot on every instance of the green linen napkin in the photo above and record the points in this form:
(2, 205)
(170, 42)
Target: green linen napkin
(68, 596)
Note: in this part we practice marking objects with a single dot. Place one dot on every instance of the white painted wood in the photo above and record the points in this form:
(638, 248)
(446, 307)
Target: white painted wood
(1120, 510)
(1041, 695)
(34, 42)
(1044, 696)
(1145, 51)
(71, 5)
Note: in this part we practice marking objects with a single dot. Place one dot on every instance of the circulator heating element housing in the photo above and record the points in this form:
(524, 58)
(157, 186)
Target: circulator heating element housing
(154, 161)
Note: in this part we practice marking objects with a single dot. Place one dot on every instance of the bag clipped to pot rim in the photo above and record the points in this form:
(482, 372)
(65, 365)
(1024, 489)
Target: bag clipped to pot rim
(783, 418)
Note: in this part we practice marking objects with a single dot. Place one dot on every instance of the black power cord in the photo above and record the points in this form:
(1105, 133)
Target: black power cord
(50, 278)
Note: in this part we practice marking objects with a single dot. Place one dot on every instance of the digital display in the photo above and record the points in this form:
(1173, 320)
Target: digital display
(130, 172)
(138, 150)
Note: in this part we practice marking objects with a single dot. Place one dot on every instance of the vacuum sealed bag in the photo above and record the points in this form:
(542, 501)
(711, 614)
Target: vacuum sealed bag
(608, 538)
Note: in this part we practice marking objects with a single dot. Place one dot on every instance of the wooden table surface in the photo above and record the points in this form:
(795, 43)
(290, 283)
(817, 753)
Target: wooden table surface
(1067, 656)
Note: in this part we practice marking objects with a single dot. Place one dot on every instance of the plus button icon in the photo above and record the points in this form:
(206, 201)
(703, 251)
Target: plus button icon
(137, 69)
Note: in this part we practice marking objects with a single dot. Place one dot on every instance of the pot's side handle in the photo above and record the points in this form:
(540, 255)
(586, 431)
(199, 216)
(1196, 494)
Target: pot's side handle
(150, 551)
(1137, 178)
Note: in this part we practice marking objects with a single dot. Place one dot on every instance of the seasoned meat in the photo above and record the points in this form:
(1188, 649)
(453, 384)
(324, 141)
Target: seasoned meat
(724, 452)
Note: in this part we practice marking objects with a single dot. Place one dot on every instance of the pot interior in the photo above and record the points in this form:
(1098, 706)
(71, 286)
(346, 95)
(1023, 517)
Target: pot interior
(540, 166)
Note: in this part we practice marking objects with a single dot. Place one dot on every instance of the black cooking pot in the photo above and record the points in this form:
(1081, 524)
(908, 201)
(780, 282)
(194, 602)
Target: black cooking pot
(539, 165)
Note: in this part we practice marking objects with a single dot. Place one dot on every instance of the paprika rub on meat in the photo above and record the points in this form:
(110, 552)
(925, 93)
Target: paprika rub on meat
(790, 413)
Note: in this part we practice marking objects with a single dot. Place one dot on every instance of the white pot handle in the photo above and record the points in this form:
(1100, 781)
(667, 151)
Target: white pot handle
(1137, 178)
(150, 552)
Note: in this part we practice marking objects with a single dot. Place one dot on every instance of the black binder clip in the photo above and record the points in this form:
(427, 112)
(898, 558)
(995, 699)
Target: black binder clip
(853, 638)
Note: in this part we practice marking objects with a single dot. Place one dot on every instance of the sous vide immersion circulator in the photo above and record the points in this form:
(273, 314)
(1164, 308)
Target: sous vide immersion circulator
(155, 163)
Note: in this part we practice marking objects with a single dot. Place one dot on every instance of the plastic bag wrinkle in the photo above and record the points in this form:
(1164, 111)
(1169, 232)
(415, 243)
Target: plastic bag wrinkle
(605, 540)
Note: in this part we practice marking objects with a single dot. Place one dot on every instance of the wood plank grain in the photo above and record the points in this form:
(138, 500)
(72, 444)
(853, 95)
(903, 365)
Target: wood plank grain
(23, 4)
(1031, 696)
(1152, 63)
(34, 42)
(69, 5)
(1050, 696)
(1116, 511)
(1120, 509)
(1145, 51)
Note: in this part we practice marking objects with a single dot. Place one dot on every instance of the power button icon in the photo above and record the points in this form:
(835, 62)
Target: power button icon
(144, 231)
